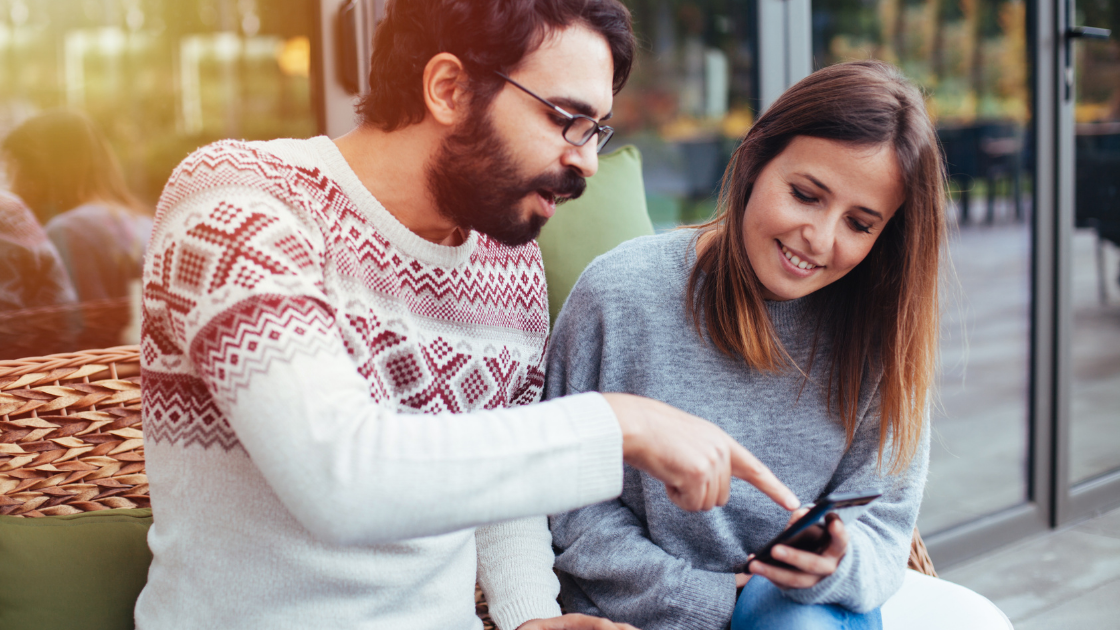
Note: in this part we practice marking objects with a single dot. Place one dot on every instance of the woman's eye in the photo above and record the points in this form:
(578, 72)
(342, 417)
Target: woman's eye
(800, 196)
(860, 227)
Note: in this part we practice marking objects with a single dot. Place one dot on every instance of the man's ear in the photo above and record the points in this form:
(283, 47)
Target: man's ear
(445, 89)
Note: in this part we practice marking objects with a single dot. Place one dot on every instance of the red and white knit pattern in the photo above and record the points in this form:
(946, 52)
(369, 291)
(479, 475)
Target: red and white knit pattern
(228, 252)
(293, 331)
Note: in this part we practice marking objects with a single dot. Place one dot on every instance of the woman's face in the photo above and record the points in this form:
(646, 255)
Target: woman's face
(816, 210)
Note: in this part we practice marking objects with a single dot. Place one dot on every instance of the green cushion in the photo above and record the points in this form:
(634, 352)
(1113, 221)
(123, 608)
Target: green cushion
(79, 571)
(611, 210)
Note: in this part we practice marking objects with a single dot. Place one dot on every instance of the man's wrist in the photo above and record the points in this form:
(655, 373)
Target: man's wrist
(629, 423)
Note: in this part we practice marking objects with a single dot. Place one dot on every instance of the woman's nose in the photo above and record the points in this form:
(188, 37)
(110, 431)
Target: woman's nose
(820, 234)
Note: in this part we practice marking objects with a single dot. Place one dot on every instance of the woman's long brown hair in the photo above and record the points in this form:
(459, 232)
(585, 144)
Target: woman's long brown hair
(61, 162)
(882, 317)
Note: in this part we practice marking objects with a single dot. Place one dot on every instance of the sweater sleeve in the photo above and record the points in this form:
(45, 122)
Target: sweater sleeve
(874, 566)
(604, 549)
(515, 571)
(235, 282)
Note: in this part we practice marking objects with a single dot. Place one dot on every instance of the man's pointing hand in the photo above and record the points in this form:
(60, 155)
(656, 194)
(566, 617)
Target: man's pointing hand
(694, 458)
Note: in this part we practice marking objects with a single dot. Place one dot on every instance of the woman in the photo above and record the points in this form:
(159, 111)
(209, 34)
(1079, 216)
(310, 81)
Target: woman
(65, 171)
(803, 321)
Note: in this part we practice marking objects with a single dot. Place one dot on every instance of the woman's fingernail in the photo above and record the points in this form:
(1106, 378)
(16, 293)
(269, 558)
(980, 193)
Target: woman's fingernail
(779, 552)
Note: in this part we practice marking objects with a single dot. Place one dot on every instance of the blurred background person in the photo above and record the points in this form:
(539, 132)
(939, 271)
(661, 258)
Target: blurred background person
(37, 301)
(64, 170)
(31, 271)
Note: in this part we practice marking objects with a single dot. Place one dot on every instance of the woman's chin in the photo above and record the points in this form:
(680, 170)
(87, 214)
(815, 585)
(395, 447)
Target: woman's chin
(785, 293)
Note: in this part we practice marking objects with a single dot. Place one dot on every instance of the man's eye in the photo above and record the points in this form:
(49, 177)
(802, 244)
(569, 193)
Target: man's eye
(559, 121)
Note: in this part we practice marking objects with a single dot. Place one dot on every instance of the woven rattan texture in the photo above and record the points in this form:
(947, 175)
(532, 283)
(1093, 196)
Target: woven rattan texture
(70, 433)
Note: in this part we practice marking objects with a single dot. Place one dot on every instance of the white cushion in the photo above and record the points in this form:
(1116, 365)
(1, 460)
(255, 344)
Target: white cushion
(927, 603)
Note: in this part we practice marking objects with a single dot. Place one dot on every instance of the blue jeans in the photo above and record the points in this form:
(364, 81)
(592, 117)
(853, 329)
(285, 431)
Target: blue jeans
(762, 606)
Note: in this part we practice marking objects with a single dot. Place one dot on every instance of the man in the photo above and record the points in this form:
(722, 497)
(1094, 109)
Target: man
(338, 337)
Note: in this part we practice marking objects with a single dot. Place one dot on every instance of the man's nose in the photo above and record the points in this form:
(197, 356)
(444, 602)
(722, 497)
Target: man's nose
(585, 159)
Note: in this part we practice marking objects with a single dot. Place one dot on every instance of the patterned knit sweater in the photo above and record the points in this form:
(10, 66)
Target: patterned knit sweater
(332, 409)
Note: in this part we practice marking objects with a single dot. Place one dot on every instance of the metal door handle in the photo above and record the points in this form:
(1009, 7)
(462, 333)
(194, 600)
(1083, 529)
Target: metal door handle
(1088, 32)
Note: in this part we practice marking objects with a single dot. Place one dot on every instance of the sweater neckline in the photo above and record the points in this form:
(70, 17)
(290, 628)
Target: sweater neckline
(400, 236)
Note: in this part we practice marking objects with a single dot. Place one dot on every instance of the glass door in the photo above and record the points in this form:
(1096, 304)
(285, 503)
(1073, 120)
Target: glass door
(1090, 407)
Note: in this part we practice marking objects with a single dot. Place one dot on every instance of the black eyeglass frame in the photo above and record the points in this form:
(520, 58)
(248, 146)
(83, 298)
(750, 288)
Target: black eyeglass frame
(604, 131)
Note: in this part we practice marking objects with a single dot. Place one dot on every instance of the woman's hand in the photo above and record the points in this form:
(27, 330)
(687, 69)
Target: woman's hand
(574, 622)
(810, 568)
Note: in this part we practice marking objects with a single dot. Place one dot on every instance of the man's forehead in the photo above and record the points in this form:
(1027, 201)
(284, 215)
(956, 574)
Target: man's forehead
(573, 67)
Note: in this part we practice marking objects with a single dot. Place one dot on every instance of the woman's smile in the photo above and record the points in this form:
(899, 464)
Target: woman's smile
(798, 266)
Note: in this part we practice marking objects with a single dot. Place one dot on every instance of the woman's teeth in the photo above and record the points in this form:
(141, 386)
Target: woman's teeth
(797, 262)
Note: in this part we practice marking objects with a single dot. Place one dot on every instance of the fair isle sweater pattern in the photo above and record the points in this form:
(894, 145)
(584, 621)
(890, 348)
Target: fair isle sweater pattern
(206, 285)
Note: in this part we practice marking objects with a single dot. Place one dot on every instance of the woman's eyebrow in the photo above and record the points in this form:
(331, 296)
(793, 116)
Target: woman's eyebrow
(816, 182)
(871, 212)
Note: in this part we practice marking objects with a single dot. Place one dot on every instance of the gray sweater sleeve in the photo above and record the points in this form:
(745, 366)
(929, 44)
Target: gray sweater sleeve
(605, 552)
(874, 566)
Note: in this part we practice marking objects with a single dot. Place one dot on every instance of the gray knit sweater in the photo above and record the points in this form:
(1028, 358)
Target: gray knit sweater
(639, 559)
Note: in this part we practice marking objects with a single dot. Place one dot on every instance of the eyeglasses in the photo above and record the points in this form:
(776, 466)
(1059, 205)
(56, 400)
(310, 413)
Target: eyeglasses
(579, 128)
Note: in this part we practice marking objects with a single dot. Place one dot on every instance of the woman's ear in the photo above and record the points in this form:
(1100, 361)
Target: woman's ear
(445, 89)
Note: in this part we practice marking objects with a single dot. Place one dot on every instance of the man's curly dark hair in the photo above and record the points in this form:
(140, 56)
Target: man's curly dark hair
(486, 35)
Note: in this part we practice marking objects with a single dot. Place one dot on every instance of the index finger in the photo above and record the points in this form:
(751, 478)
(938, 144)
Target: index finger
(746, 466)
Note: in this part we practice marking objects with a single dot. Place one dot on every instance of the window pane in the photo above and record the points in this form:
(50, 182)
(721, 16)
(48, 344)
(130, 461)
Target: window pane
(971, 59)
(157, 79)
(1095, 429)
(690, 99)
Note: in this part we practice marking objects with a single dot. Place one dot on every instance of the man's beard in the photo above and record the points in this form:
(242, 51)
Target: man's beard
(476, 184)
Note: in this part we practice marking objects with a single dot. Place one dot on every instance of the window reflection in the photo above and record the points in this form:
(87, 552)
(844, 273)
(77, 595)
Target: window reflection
(691, 97)
(156, 79)
(971, 59)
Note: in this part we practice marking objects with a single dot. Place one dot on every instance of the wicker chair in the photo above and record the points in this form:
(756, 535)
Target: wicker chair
(70, 435)
(71, 440)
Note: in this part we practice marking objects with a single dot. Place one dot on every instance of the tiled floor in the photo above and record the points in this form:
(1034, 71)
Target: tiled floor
(1066, 579)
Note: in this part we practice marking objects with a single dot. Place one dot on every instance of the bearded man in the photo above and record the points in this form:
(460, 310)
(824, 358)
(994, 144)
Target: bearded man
(343, 341)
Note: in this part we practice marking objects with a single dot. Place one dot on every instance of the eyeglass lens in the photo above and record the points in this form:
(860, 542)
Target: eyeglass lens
(581, 129)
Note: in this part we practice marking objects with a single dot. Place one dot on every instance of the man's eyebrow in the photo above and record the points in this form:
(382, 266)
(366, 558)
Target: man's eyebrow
(819, 184)
(577, 106)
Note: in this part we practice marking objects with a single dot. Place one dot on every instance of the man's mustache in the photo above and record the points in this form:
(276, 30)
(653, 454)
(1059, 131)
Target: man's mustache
(567, 184)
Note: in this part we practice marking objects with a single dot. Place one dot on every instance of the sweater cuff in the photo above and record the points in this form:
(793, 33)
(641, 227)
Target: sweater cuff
(513, 614)
(708, 598)
(600, 443)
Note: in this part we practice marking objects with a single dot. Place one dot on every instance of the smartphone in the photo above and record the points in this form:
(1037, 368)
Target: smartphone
(810, 532)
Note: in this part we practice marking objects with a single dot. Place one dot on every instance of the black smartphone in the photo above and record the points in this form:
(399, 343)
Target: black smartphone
(810, 532)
